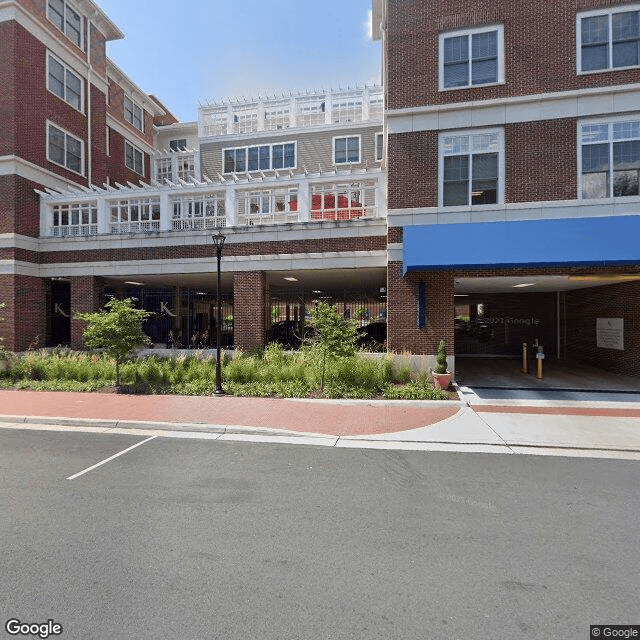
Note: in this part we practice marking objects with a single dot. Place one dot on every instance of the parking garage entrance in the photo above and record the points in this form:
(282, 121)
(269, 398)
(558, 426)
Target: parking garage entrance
(498, 324)
(291, 309)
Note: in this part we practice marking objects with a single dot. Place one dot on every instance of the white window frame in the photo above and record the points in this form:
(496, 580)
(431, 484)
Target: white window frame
(601, 12)
(358, 161)
(134, 149)
(134, 106)
(378, 136)
(245, 150)
(67, 69)
(499, 28)
(610, 141)
(50, 124)
(500, 195)
(67, 6)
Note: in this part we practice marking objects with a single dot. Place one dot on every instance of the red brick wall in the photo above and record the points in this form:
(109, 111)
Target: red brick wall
(540, 48)
(585, 306)
(19, 206)
(541, 161)
(8, 44)
(115, 108)
(402, 311)
(540, 164)
(85, 292)
(412, 170)
(25, 315)
(250, 298)
(35, 105)
(256, 249)
(116, 169)
(98, 136)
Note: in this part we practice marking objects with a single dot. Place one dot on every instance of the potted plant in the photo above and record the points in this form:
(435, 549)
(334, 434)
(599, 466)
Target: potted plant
(441, 377)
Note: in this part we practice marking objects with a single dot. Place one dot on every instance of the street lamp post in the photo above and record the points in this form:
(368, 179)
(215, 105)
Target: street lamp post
(218, 241)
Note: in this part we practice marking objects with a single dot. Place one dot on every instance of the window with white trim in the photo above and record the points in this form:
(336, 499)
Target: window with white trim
(310, 112)
(186, 168)
(379, 146)
(75, 219)
(135, 214)
(66, 19)
(471, 168)
(64, 149)
(346, 150)
(471, 57)
(270, 205)
(610, 158)
(277, 117)
(199, 211)
(245, 121)
(178, 145)
(259, 158)
(133, 158)
(349, 110)
(133, 113)
(64, 83)
(164, 170)
(609, 39)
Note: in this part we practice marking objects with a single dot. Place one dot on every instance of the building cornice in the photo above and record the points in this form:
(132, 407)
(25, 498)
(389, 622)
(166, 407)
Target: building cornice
(14, 165)
(129, 135)
(581, 103)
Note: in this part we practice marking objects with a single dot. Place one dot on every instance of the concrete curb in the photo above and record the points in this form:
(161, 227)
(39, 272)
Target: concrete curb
(264, 433)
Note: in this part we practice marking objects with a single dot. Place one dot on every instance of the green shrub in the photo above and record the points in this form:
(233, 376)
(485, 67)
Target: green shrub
(441, 358)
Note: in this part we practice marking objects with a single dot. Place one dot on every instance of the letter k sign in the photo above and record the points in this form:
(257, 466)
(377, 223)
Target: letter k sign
(165, 309)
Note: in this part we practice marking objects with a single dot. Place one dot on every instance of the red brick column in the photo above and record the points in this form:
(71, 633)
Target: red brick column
(25, 314)
(402, 310)
(250, 297)
(84, 298)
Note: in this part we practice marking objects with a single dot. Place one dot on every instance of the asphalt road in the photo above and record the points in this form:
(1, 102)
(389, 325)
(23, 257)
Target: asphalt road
(188, 539)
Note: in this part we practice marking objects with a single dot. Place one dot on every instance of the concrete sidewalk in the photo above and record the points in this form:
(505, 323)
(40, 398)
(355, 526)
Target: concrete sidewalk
(545, 427)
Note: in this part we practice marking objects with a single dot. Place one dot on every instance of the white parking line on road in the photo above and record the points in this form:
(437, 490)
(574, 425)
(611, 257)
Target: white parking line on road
(99, 464)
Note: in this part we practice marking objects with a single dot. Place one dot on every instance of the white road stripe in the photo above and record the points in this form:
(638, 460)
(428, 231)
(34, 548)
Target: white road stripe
(99, 464)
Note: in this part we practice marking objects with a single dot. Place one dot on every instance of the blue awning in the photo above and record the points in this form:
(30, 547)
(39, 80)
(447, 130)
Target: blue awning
(567, 242)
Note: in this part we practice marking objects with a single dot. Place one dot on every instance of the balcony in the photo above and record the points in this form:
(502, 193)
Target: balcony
(239, 201)
(295, 111)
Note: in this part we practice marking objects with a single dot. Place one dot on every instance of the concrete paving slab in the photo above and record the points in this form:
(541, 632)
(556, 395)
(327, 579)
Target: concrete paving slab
(566, 431)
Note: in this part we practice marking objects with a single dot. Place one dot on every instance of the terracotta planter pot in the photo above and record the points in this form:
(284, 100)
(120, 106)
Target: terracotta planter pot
(441, 380)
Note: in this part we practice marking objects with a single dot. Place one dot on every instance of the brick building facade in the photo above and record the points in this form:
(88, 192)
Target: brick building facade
(513, 161)
(104, 193)
(487, 195)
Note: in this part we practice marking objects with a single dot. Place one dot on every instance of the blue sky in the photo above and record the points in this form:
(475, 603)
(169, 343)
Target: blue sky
(203, 50)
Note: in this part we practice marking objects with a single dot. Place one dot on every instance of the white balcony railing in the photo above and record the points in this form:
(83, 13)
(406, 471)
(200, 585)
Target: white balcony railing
(246, 201)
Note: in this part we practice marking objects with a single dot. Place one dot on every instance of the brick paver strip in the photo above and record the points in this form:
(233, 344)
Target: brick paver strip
(560, 411)
(328, 418)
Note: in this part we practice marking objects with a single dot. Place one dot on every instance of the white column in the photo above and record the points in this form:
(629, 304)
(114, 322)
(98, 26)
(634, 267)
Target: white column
(365, 104)
(328, 108)
(165, 211)
(304, 201)
(104, 216)
(292, 112)
(381, 196)
(230, 207)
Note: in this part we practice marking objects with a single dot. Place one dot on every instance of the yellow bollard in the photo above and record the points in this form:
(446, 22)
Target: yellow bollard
(540, 357)
(525, 362)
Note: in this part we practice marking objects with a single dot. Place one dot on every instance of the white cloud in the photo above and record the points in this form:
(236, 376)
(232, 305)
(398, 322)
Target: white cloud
(368, 26)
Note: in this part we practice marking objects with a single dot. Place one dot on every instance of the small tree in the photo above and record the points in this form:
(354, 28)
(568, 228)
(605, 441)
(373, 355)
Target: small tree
(334, 336)
(441, 358)
(117, 330)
